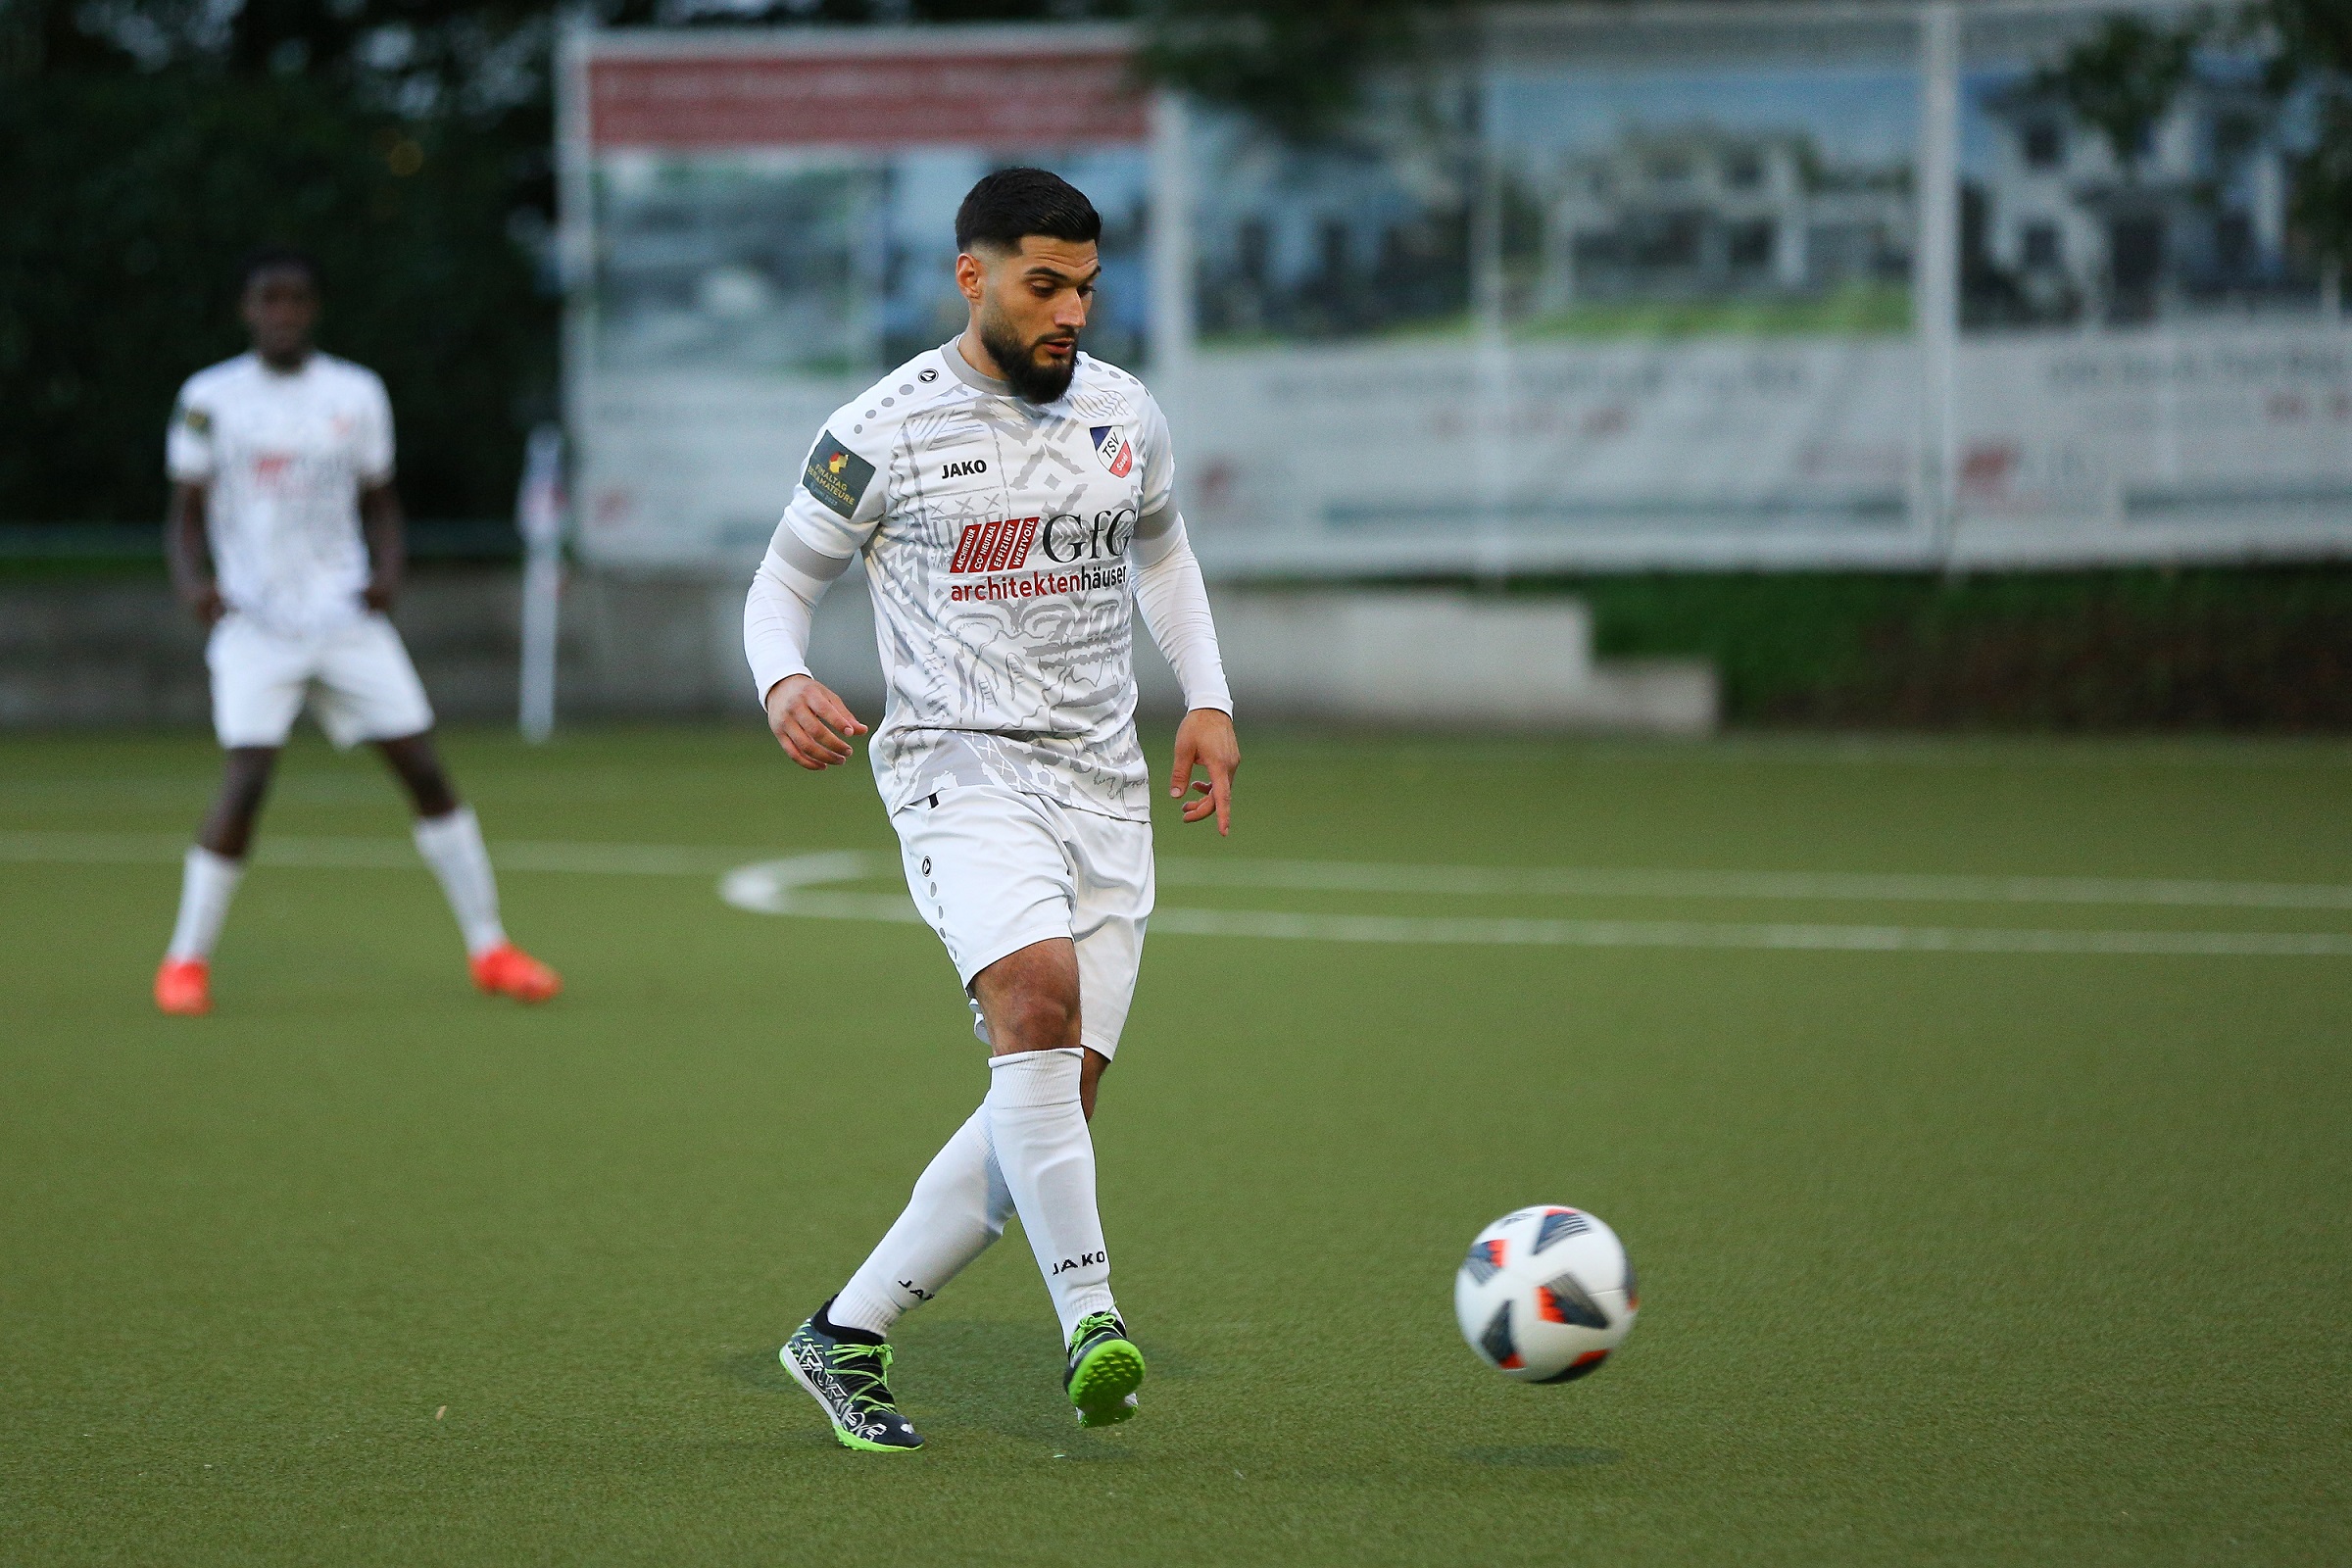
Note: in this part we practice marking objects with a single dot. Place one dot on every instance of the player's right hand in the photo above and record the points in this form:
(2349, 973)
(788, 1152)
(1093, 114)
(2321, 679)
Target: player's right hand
(810, 723)
(205, 604)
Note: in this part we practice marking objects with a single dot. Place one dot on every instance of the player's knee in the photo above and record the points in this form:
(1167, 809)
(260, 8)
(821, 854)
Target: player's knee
(1037, 1016)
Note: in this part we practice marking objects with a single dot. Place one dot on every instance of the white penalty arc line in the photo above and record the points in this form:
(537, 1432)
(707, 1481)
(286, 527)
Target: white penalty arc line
(795, 886)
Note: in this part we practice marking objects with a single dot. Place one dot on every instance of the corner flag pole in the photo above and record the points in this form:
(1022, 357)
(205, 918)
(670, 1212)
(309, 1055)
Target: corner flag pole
(539, 518)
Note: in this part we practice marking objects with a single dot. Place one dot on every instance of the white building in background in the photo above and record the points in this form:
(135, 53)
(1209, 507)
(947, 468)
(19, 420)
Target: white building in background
(1698, 210)
(2199, 212)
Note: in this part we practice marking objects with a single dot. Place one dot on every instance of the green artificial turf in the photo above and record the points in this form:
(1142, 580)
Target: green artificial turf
(1965, 1258)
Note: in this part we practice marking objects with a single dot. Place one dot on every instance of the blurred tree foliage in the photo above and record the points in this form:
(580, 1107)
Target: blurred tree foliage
(2122, 77)
(131, 198)
(2315, 53)
(1298, 67)
(2122, 81)
(147, 144)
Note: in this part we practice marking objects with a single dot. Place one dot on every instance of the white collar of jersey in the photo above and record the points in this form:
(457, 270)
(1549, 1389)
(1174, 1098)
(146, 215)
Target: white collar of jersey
(278, 377)
(963, 370)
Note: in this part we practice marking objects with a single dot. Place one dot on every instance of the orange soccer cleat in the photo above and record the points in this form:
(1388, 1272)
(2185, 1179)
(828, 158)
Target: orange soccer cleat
(505, 970)
(184, 987)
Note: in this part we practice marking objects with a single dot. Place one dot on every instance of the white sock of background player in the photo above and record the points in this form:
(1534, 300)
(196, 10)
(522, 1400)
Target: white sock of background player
(206, 885)
(452, 845)
(959, 1206)
(1037, 1129)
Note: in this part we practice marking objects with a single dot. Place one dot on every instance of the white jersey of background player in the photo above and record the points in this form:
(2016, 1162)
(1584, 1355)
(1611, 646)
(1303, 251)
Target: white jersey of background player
(1012, 501)
(275, 456)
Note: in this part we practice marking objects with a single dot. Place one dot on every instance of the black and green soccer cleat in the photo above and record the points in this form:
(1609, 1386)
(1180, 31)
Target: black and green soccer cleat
(852, 1383)
(1106, 1370)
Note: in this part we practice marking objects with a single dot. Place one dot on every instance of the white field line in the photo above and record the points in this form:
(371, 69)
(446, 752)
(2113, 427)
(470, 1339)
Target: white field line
(1345, 876)
(794, 886)
(361, 853)
(788, 887)
(1319, 876)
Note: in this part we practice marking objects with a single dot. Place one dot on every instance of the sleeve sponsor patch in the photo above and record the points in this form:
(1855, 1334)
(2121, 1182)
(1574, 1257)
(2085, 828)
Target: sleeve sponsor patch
(195, 420)
(836, 475)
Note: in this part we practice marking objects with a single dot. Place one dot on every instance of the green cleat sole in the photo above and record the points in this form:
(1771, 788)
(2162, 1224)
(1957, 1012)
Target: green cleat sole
(1099, 1388)
(850, 1439)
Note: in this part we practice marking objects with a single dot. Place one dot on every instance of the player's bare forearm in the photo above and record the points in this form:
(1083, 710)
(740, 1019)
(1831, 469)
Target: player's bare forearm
(387, 532)
(1206, 743)
(189, 555)
(813, 725)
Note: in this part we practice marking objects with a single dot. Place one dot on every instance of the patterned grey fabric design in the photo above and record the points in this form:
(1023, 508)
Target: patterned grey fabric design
(995, 538)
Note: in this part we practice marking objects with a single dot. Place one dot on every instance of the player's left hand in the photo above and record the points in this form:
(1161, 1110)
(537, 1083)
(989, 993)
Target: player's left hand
(1205, 741)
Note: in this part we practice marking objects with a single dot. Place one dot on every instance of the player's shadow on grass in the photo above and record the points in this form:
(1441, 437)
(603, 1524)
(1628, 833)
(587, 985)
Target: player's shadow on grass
(972, 1373)
(760, 1370)
(999, 1377)
(1538, 1456)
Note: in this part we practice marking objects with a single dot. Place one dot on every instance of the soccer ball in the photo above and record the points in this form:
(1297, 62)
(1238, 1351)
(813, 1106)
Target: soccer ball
(1545, 1294)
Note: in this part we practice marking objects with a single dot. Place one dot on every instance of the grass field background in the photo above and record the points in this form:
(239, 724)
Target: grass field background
(2019, 1258)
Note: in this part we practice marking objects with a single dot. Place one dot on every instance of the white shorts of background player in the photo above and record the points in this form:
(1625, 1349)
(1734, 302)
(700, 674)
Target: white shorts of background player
(994, 870)
(355, 673)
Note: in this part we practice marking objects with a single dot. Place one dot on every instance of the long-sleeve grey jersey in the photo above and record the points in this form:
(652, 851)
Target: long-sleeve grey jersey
(1005, 543)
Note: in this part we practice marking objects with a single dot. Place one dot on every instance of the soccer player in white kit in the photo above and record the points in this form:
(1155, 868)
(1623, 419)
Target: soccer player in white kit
(1013, 501)
(275, 458)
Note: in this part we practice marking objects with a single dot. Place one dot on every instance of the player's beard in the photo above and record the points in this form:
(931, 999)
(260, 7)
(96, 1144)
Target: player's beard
(1032, 382)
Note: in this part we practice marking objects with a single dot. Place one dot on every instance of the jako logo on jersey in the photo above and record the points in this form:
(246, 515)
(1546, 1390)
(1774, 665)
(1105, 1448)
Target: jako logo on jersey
(956, 471)
(994, 546)
(1113, 448)
(1081, 1260)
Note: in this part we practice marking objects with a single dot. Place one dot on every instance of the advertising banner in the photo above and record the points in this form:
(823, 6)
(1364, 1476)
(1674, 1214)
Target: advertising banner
(2150, 365)
(1607, 288)
(762, 224)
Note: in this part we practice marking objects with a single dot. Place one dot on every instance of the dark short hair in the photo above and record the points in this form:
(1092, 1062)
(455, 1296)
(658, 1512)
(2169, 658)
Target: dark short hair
(1013, 202)
(273, 259)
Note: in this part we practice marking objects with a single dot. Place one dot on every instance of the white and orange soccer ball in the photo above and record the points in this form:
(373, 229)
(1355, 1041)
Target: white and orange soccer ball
(1545, 1294)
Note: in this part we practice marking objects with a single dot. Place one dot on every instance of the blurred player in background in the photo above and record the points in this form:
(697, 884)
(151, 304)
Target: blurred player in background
(285, 538)
(1015, 502)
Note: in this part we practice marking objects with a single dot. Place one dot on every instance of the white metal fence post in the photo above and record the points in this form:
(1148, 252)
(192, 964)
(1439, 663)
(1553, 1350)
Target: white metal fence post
(539, 517)
(1936, 275)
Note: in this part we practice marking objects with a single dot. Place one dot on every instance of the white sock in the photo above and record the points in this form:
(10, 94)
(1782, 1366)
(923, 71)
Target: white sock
(206, 886)
(1037, 1129)
(959, 1206)
(451, 846)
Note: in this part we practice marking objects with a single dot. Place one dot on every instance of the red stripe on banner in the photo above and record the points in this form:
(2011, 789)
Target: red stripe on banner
(1047, 97)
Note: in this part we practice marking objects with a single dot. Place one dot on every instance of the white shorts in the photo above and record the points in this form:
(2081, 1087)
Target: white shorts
(356, 676)
(995, 869)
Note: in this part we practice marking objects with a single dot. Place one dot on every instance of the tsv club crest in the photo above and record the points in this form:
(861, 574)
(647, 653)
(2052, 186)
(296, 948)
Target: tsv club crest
(1113, 448)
